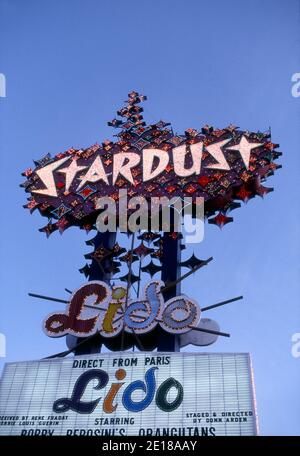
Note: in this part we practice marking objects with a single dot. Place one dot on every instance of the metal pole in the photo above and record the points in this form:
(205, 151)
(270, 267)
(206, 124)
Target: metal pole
(97, 272)
(170, 273)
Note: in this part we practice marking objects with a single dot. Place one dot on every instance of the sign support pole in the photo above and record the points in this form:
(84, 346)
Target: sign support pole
(106, 240)
(170, 273)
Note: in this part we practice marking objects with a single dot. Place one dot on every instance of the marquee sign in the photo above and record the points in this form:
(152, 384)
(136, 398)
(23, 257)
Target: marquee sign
(219, 165)
(147, 394)
(114, 312)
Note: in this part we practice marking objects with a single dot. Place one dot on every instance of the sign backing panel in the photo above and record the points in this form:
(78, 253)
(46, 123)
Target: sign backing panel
(159, 394)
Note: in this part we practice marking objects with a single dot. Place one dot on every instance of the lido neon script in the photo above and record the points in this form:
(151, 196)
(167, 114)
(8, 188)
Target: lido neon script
(95, 307)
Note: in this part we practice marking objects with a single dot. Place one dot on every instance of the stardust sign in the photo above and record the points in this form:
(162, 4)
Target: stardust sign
(218, 165)
(148, 394)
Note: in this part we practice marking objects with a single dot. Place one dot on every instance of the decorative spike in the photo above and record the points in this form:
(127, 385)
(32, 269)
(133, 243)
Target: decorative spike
(31, 205)
(128, 258)
(262, 191)
(157, 254)
(131, 112)
(231, 128)
(233, 206)
(85, 270)
(141, 251)
(99, 254)
(43, 161)
(115, 123)
(220, 220)
(62, 224)
(28, 172)
(48, 229)
(149, 236)
(117, 250)
(244, 194)
(207, 129)
(26, 184)
(91, 241)
(88, 227)
(151, 268)
(192, 262)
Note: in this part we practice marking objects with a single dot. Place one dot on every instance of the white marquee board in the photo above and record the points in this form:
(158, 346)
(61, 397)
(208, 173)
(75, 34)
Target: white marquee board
(186, 394)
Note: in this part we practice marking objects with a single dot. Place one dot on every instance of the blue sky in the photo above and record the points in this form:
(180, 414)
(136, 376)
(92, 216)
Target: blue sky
(69, 65)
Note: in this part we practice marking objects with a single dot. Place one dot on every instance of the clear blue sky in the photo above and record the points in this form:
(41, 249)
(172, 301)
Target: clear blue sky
(69, 64)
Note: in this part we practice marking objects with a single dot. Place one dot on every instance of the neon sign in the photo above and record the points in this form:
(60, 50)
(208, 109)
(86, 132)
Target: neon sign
(124, 163)
(218, 165)
(95, 307)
